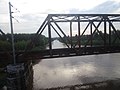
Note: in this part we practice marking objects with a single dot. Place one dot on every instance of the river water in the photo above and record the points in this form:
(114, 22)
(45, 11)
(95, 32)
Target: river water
(75, 70)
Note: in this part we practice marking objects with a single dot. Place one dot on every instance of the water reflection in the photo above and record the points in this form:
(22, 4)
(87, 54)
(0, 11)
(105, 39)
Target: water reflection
(57, 44)
(73, 70)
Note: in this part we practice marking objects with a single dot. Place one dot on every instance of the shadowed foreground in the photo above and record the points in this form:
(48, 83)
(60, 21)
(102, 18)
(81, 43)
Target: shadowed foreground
(105, 85)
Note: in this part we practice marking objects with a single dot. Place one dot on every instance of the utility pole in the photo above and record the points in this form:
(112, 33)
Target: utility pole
(19, 79)
(12, 36)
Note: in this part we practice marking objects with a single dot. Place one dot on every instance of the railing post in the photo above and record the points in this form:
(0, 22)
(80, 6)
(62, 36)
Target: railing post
(79, 39)
(71, 34)
(91, 36)
(105, 35)
(109, 34)
(49, 36)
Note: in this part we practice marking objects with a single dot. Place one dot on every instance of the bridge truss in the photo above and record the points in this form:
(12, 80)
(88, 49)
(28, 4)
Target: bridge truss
(105, 25)
(82, 27)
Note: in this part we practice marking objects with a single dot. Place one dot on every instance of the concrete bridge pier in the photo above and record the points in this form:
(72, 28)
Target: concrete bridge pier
(20, 76)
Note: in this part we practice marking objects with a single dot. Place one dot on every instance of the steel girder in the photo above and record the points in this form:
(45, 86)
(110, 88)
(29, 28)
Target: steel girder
(91, 19)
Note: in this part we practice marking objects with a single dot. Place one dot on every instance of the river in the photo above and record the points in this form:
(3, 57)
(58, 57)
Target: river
(75, 70)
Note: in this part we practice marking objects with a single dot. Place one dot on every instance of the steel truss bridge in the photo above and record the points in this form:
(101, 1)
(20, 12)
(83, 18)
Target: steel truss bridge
(81, 25)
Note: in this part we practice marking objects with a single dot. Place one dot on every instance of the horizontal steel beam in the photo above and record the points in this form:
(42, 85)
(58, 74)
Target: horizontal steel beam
(84, 17)
(84, 14)
(64, 52)
(83, 20)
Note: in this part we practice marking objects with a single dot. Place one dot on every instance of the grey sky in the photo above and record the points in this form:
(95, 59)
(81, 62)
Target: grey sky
(33, 12)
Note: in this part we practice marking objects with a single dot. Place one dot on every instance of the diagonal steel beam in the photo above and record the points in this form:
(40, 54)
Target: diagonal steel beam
(60, 36)
(98, 31)
(47, 18)
(114, 29)
(3, 34)
(60, 29)
(94, 31)
(83, 33)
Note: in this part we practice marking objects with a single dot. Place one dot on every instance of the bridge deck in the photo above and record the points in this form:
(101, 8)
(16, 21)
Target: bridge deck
(63, 52)
(66, 52)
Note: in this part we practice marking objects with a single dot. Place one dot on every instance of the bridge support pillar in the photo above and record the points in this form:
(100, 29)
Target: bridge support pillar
(20, 77)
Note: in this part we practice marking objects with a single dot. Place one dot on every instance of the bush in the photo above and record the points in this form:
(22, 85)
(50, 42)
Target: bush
(5, 46)
(20, 45)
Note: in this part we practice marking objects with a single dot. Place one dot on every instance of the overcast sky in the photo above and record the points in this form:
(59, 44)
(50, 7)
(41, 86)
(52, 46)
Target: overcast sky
(33, 12)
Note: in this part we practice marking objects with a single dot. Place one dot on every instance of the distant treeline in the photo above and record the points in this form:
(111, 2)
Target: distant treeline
(97, 39)
(21, 42)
